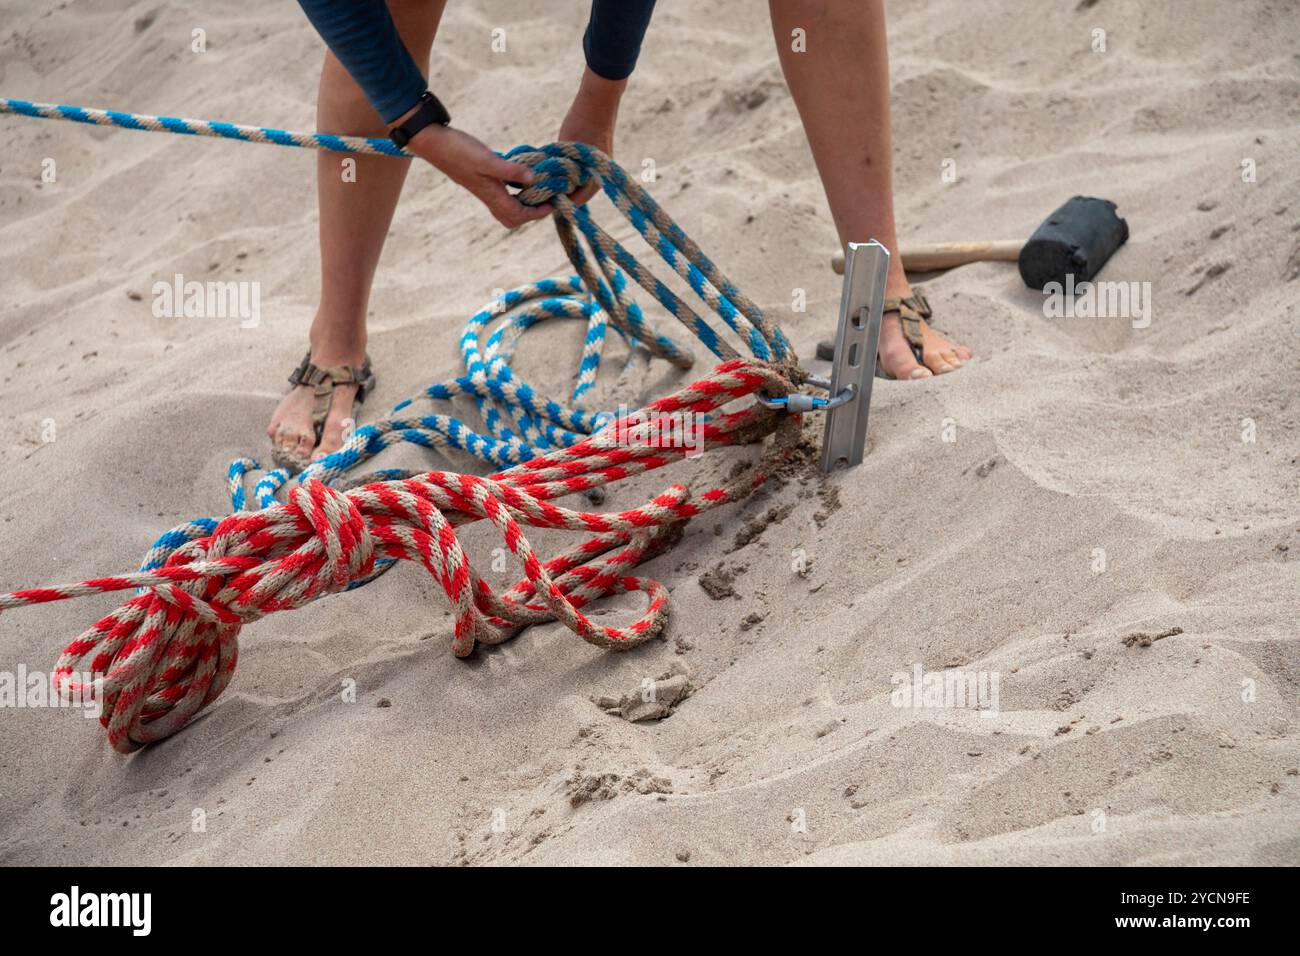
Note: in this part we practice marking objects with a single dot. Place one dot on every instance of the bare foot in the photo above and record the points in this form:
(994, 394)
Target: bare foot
(938, 355)
(292, 432)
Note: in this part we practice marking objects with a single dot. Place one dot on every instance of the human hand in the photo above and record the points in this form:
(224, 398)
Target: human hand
(472, 165)
(591, 120)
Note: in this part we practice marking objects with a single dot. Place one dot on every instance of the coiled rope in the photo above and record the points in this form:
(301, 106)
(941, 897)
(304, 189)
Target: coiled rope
(170, 650)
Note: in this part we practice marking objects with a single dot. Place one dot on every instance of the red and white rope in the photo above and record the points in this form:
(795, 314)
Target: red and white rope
(170, 650)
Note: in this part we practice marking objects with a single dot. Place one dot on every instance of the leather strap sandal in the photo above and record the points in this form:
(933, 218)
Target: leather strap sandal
(912, 311)
(323, 381)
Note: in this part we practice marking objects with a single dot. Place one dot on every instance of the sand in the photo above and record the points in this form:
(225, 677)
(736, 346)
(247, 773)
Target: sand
(979, 554)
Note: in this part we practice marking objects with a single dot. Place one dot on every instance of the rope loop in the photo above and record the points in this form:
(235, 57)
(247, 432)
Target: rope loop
(341, 529)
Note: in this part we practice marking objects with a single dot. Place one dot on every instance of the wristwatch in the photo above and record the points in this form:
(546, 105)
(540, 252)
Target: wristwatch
(428, 112)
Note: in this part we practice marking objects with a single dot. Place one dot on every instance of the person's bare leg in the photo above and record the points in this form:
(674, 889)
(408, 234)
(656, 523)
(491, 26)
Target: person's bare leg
(840, 84)
(354, 219)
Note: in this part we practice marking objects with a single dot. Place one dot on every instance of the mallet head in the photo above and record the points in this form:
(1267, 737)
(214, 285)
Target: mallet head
(1078, 238)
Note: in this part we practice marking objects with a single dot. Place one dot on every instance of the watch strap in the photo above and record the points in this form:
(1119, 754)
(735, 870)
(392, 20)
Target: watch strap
(429, 111)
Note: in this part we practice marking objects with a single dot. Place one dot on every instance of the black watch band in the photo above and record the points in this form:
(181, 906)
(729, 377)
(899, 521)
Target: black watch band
(428, 112)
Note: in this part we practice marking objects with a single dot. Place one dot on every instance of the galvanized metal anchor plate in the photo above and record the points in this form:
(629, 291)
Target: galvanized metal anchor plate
(844, 440)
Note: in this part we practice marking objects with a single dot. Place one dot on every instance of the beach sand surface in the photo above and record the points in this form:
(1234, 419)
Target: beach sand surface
(1102, 480)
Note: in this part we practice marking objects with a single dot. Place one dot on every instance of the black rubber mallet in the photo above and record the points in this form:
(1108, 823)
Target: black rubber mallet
(1076, 239)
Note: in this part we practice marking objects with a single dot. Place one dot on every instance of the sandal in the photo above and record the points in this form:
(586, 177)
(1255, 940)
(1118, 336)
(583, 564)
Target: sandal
(324, 381)
(912, 311)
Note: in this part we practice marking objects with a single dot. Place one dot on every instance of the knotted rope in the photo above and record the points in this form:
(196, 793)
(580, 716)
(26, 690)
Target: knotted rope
(170, 650)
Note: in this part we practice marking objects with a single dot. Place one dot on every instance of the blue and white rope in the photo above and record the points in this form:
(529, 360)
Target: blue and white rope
(193, 127)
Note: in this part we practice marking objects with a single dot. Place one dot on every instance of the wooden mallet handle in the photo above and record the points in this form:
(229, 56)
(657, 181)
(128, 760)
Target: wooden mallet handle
(929, 256)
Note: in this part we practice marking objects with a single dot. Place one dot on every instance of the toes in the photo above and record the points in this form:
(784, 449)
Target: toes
(330, 441)
(305, 444)
(942, 360)
(902, 365)
(281, 427)
(896, 357)
(284, 438)
(936, 363)
(963, 353)
(329, 444)
(337, 424)
(293, 446)
(908, 369)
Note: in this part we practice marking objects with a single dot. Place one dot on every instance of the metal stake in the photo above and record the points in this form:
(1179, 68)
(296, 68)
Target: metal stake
(861, 303)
